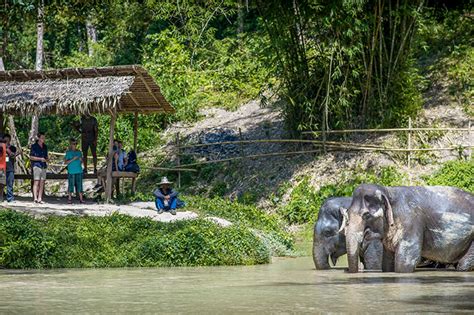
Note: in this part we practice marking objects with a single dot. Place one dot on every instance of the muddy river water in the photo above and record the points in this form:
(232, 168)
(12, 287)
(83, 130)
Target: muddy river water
(288, 285)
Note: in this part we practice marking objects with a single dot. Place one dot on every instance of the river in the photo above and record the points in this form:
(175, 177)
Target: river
(288, 285)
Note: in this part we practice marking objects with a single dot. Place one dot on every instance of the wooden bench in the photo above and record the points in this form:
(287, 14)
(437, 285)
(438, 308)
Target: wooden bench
(117, 175)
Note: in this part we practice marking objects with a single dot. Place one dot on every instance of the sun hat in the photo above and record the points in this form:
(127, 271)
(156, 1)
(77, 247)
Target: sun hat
(164, 180)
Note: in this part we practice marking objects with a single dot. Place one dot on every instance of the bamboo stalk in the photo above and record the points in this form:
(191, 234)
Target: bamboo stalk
(332, 147)
(175, 169)
(409, 150)
(386, 130)
(317, 142)
(178, 160)
(268, 141)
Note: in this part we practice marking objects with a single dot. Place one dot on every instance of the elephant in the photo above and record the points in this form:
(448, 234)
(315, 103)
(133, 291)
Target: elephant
(329, 238)
(434, 222)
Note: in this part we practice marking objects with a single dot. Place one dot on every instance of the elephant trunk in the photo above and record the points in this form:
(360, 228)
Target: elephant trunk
(320, 257)
(354, 236)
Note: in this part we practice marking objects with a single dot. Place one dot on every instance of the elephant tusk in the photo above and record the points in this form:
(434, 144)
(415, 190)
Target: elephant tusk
(344, 222)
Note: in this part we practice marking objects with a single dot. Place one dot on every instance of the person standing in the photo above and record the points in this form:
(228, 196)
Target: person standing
(3, 167)
(89, 132)
(11, 156)
(39, 159)
(73, 159)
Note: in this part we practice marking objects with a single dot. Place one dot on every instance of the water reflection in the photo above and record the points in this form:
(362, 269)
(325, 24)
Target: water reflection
(287, 285)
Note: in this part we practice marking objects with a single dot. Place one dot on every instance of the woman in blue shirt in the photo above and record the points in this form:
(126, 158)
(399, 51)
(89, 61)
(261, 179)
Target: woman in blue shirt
(73, 159)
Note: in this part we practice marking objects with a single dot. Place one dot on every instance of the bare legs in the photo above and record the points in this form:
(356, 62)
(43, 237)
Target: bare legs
(69, 198)
(38, 188)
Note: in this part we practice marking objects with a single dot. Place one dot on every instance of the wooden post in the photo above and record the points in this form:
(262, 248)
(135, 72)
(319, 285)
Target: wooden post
(469, 137)
(409, 152)
(109, 183)
(135, 132)
(178, 158)
(324, 138)
(241, 145)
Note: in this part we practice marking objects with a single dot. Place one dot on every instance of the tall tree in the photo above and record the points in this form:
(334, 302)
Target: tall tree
(38, 63)
(91, 33)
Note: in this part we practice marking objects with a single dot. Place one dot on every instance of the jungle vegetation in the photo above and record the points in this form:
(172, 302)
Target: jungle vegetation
(334, 64)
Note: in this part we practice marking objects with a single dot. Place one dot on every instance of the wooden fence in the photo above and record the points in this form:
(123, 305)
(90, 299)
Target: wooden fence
(318, 146)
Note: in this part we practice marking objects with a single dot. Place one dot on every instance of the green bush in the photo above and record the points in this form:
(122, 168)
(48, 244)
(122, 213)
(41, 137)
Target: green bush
(454, 173)
(268, 226)
(123, 241)
(305, 201)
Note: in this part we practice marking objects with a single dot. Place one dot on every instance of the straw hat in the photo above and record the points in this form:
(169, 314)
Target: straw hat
(165, 181)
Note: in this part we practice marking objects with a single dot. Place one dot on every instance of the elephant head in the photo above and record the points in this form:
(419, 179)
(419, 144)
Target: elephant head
(370, 209)
(329, 238)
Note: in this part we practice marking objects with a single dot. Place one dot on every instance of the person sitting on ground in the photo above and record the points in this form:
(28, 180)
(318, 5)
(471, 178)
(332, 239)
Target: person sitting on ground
(73, 159)
(166, 197)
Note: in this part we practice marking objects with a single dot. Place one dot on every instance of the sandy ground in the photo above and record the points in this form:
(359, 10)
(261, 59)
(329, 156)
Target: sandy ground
(59, 207)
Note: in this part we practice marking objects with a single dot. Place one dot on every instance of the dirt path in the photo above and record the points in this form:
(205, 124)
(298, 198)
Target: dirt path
(57, 206)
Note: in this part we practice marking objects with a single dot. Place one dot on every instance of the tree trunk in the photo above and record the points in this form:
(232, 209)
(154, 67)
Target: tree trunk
(38, 65)
(91, 34)
(39, 36)
(240, 17)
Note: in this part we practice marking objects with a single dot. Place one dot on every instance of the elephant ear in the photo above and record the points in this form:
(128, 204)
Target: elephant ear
(345, 219)
(388, 207)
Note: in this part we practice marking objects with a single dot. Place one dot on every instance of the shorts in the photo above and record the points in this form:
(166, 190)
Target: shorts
(39, 173)
(86, 144)
(74, 180)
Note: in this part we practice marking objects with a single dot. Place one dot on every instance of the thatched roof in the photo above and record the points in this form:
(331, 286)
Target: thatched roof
(80, 90)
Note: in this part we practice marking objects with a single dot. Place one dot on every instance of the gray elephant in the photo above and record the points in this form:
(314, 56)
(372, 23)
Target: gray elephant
(433, 222)
(329, 237)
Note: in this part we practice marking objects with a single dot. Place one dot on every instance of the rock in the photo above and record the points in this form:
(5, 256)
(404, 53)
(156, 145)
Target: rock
(219, 221)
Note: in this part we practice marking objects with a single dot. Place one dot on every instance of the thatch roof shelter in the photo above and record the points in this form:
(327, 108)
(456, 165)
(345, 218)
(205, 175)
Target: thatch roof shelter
(76, 91)
(124, 89)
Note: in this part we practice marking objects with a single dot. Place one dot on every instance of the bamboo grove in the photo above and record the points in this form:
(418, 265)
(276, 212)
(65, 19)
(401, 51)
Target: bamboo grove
(332, 63)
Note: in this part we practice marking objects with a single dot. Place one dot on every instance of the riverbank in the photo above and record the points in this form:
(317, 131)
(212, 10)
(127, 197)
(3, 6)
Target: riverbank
(123, 241)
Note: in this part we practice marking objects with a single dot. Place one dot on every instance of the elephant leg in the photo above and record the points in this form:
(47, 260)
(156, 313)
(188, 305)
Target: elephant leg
(466, 263)
(408, 254)
(388, 261)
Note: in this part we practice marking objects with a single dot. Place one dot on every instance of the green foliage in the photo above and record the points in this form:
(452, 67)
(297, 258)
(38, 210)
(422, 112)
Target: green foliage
(454, 173)
(305, 201)
(341, 65)
(268, 226)
(120, 241)
(221, 73)
(445, 43)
